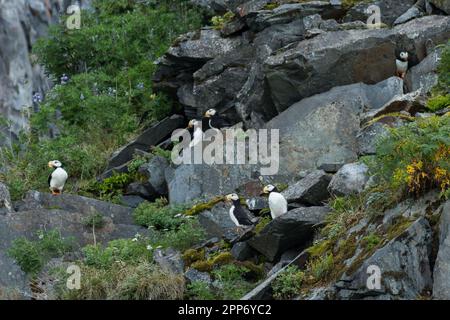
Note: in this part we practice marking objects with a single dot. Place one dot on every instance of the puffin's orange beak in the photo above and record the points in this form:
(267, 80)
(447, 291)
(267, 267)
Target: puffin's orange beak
(50, 164)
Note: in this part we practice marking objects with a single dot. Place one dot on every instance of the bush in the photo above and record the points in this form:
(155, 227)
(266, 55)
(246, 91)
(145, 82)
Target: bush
(413, 158)
(199, 290)
(321, 267)
(288, 284)
(438, 102)
(159, 215)
(32, 256)
(187, 235)
(124, 250)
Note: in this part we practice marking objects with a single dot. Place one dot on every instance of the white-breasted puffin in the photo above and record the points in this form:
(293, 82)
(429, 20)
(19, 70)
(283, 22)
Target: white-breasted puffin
(237, 212)
(57, 179)
(196, 132)
(212, 120)
(277, 202)
(402, 64)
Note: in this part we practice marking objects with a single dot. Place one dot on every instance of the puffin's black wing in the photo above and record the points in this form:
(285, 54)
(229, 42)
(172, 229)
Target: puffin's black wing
(219, 122)
(242, 216)
(49, 178)
(205, 124)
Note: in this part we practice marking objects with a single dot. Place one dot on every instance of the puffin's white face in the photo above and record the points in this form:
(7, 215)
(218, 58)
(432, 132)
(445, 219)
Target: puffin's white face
(210, 113)
(55, 164)
(269, 188)
(192, 123)
(404, 55)
(232, 197)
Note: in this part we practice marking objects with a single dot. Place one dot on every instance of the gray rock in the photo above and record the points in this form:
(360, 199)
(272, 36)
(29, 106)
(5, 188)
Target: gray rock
(411, 103)
(412, 13)
(424, 76)
(73, 203)
(193, 275)
(5, 200)
(339, 58)
(169, 260)
(150, 137)
(390, 10)
(143, 190)
(131, 201)
(291, 230)
(257, 203)
(217, 222)
(325, 126)
(368, 137)
(311, 190)
(190, 181)
(350, 179)
(441, 285)
(241, 251)
(443, 5)
(404, 264)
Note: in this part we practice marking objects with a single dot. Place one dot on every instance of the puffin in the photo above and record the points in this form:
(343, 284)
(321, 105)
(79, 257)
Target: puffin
(237, 213)
(212, 120)
(57, 179)
(402, 64)
(196, 132)
(277, 202)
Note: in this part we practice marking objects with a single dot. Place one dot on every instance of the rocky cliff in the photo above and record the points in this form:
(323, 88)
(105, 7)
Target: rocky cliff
(365, 220)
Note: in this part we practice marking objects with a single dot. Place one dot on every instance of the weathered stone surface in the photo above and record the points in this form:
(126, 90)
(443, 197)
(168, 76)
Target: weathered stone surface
(412, 13)
(191, 182)
(169, 260)
(5, 200)
(443, 5)
(323, 128)
(73, 203)
(350, 179)
(150, 137)
(311, 190)
(217, 222)
(193, 275)
(423, 77)
(338, 58)
(143, 190)
(241, 251)
(404, 264)
(390, 10)
(441, 273)
(131, 201)
(291, 230)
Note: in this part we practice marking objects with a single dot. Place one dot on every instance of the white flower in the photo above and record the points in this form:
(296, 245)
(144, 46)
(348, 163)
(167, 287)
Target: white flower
(178, 215)
(159, 247)
(149, 247)
(134, 239)
(41, 236)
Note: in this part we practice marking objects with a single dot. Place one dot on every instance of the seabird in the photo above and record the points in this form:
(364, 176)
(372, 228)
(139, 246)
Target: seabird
(212, 120)
(57, 179)
(277, 202)
(402, 64)
(237, 213)
(196, 133)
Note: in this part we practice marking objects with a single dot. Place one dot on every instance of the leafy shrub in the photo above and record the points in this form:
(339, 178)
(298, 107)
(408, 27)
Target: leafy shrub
(187, 235)
(438, 102)
(371, 241)
(413, 158)
(219, 22)
(94, 220)
(321, 267)
(288, 284)
(231, 282)
(159, 215)
(199, 290)
(125, 250)
(139, 281)
(33, 255)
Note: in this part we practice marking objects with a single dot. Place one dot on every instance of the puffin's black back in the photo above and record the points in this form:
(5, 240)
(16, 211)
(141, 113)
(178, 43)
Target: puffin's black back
(240, 214)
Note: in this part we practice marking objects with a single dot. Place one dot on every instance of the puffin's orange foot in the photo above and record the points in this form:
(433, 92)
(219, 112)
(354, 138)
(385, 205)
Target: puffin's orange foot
(56, 192)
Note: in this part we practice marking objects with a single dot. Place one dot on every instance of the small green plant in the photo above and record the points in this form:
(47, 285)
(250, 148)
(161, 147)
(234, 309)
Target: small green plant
(232, 282)
(219, 22)
(199, 290)
(321, 267)
(288, 284)
(371, 241)
(262, 224)
(159, 215)
(33, 255)
(438, 102)
(190, 233)
(94, 220)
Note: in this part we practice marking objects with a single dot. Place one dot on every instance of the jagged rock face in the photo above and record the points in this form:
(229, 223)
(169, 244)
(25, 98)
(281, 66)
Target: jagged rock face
(443, 5)
(441, 285)
(350, 179)
(404, 264)
(22, 22)
(424, 76)
(323, 129)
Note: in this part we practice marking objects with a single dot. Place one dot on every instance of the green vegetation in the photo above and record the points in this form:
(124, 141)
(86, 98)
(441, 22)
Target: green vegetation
(441, 94)
(288, 284)
(108, 98)
(159, 215)
(33, 255)
(94, 220)
(438, 102)
(219, 22)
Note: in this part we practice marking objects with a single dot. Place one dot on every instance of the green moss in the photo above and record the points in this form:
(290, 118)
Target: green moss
(200, 207)
(438, 102)
(271, 6)
(219, 22)
(371, 241)
(262, 224)
(202, 266)
(192, 255)
(320, 248)
(288, 284)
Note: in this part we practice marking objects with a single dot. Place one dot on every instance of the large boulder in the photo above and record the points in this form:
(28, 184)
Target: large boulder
(5, 200)
(323, 129)
(404, 264)
(154, 170)
(191, 181)
(443, 5)
(338, 58)
(311, 190)
(350, 179)
(441, 285)
(147, 139)
(424, 76)
(291, 230)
